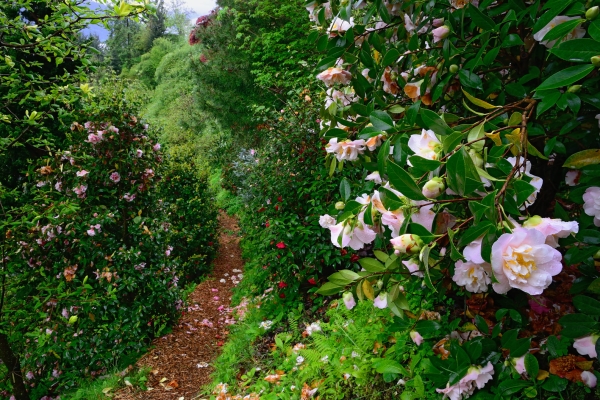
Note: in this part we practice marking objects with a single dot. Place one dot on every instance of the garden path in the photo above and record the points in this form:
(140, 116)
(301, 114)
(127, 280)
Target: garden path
(181, 361)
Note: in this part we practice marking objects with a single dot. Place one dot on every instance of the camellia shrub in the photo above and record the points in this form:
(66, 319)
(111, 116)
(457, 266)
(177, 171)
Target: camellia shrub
(90, 270)
(476, 125)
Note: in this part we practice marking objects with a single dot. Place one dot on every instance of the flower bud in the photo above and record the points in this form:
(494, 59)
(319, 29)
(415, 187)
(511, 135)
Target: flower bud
(379, 284)
(407, 244)
(592, 13)
(595, 61)
(73, 319)
(433, 188)
(532, 221)
(440, 33)
(453, 69)
(340, 205)
(349, 301)
(574, 88)
(597, 255)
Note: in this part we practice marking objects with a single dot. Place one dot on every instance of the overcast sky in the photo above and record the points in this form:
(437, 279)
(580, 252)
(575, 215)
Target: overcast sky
(200, 7)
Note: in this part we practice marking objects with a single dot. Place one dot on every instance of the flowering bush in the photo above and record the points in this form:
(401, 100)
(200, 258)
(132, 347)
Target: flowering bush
(90, 269)
(473, 129)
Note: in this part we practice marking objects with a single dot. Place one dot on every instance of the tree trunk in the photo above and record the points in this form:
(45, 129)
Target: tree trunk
(11, 361)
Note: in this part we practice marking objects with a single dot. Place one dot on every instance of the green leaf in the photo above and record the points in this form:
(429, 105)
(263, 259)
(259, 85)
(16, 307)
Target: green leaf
(554, 7)
(459, 170)
(478, 102)
(523, 190)
(582, 159)
(387, 366)
(475, 232)
(576, 325)
(587, 305)
(424, 164)
(371, 265)
(337, 133)
(469, 79)
(480, 19)
(566, 77)
(594, 30)
(403, 182)
(381, 256)
(434, 122)
(562, 29)
(390, 57)
(577, 50)
(512, 40)
(548, 101)
(555, 384)
(481, 325)
(531, 366)
(345, 189)
(381, 120)
(511, 386)
(428, 329)
(450, 142)
(329, 288)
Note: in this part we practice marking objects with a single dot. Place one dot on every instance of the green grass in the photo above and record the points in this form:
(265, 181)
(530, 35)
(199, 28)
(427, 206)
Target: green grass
(104, 388)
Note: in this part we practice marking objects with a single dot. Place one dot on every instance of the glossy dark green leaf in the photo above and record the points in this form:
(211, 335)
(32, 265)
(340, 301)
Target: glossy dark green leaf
(381, 120)
(469, 79)
(561, 30)
(566, 77)
(480, 19)
(577, 50)
(403, 182)
(434, 122)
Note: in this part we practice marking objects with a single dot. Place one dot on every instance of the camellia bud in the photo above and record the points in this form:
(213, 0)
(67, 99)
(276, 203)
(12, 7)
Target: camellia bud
(349, 301)
(574, 89)
(532, 221)
(73, 319)
(379, 284)
(340, 205)
(453, 69)
(407, 244)
(433, 188)
(592, 13)
(596, 61)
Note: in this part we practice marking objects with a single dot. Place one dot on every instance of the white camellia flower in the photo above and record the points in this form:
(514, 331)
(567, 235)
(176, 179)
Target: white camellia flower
(380, 301)
(326, 221)
(572, 177)
(425, 145)
(375, 177)
(474, 277)
(413, 267)
(591, 205)
(553, 228)
(339, 26)
(407, 244)
(586, 346)
(349, 301)
(576, 33)
(524, 261)
(346, 149)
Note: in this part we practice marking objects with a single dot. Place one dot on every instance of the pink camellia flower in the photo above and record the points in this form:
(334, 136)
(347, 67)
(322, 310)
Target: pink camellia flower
(413, 267)
(334, 75)
(524, 261)
(472, 252)
(536, 181)
(91, 232)
(539, 304)
(115, 177)
(438, 22)
(129, 197)
(425, 145)
(82, 173)
(553, 228)
(380, 301)
(168, 251)
(586, 346)
(80, 191)
(434, 188)
(576, 33)
(416, 337)
(113, 129)
(591, 205)
(58, 186)
(156, 147)
(93, 138)
(589, 379)
(440, 33)
(572, 177)
(374, 142)
(139, 153)
(349, 301)
(280, 245)
(355, 236)
(474, 277)
(479, 375)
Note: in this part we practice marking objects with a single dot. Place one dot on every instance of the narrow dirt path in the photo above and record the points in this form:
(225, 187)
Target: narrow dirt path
(181, 361)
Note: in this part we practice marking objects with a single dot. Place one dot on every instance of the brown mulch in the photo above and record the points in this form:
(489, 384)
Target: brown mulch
(180, 361)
